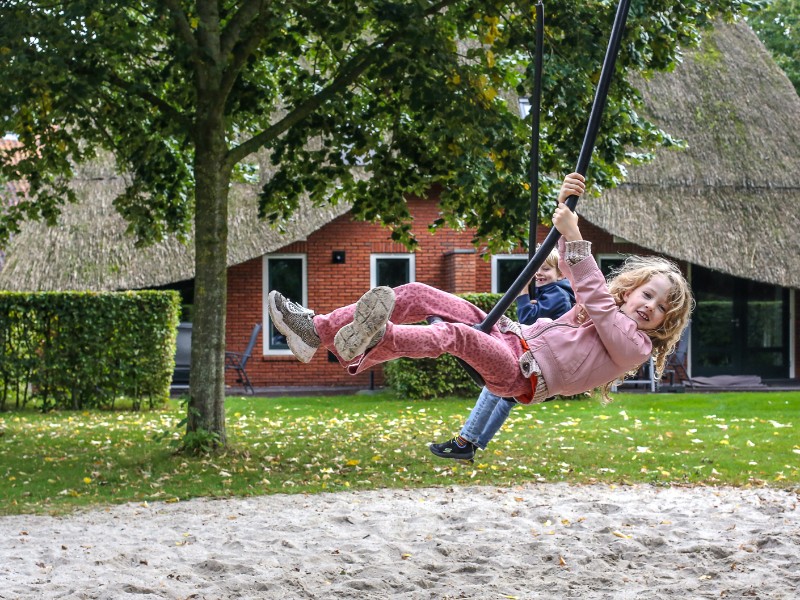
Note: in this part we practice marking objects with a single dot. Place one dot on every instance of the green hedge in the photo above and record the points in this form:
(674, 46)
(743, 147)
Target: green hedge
(80, 350)
(438, 377)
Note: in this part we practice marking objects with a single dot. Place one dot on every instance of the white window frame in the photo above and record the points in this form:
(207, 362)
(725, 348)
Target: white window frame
(373, 265)
(524, 108)
(495, 271)
(265, 295)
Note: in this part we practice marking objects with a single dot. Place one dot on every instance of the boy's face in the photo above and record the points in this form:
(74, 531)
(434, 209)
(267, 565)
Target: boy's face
(647, 304)
(546, 274)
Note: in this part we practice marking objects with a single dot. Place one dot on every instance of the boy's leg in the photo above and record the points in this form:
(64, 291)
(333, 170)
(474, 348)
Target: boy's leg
(463, 446)
(495, 421)
(457, 448)
(479, 417)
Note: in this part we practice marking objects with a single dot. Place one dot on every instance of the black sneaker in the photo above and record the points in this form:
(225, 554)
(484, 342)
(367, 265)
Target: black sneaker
(451, 449)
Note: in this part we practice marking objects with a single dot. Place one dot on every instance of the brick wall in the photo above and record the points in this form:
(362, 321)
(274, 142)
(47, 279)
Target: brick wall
(460, 270)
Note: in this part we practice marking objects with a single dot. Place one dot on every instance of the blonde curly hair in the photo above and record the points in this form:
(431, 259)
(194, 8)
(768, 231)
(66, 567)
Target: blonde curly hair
(638, 270)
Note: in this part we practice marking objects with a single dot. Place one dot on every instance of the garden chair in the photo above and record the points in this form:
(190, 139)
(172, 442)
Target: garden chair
(237, 361)
(645, 376)
(183, 357)
(676, 362)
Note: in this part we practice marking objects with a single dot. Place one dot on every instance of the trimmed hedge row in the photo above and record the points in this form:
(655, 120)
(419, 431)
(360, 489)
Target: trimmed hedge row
(78, 350)
(438, 377)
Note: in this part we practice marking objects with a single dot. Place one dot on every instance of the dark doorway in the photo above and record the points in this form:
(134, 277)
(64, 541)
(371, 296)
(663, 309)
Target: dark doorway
(186, 290)
(739, 327)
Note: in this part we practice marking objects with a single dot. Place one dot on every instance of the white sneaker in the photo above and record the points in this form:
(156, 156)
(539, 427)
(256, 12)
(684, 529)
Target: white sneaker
(295, 322)
(369, 323)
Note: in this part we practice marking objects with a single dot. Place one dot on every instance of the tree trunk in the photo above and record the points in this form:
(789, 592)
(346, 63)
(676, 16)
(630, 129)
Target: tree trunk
(207, 384)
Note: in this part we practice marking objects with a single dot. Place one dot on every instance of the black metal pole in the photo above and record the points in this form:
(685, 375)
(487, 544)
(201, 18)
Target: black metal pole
(583, 163)
(535, 110)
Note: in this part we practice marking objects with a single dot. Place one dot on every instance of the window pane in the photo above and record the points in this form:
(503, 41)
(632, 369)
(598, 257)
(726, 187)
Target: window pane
(508, 269)
(764, 316)
(609, 264)
(714, 322)
(286, 276)
(392, 271)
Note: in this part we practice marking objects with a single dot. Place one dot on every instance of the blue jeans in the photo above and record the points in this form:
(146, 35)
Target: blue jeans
(486, 418)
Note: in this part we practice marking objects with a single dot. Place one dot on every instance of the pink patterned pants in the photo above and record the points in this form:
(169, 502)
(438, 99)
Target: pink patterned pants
(494, 355)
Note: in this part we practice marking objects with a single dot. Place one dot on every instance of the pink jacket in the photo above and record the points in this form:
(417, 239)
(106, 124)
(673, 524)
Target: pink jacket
(577, 356)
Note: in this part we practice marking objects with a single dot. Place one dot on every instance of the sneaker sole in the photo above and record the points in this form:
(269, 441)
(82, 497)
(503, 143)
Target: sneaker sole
(372, 313)
(450, 455)
(302, 351)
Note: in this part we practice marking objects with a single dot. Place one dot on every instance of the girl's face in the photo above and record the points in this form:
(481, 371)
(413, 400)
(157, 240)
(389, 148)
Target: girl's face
(546, 274)
(648, 304)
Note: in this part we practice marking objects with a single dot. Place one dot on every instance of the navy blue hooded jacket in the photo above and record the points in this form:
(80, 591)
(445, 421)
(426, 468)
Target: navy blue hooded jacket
(552, 301)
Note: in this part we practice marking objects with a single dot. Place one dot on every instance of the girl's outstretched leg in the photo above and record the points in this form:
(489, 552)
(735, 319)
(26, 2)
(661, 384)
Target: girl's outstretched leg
(418, 301)
(351, 330)
(413, 303)
(494, 355)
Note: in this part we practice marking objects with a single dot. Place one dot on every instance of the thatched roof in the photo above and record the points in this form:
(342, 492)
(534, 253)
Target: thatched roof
(729, 201)
(89, 249)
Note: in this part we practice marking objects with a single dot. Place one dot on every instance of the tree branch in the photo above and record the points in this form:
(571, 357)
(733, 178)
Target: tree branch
(208, 13)
(232, 34)
(241, 52)
(356, 67)
(182, 26)
(141, 92)
(351, 71)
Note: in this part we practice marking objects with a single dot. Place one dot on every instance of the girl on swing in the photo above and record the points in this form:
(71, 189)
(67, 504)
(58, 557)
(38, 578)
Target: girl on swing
(611, 331)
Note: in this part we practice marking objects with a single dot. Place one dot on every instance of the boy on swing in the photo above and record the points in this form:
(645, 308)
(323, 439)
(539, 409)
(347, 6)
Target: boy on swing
(552, 297)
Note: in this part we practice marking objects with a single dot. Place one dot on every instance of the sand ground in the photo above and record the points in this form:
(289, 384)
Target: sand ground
(532, 541)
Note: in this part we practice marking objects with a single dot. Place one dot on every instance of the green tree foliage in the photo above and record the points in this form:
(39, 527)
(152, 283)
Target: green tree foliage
(410, 93)
(777, 23)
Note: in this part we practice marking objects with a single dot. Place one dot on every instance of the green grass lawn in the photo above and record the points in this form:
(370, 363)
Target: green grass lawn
(57, 461)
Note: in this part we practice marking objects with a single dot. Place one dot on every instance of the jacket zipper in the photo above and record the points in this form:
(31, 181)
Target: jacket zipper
(548, 327)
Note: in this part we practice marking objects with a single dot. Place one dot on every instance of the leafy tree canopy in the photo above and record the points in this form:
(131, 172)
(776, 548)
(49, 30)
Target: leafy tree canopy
(777, 24)
(412, 92)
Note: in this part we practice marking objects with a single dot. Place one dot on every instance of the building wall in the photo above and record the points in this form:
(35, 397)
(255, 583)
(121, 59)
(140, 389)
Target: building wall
(446, 259)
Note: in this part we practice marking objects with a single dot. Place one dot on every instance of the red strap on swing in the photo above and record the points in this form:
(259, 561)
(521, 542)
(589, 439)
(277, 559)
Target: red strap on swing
(525, 398)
